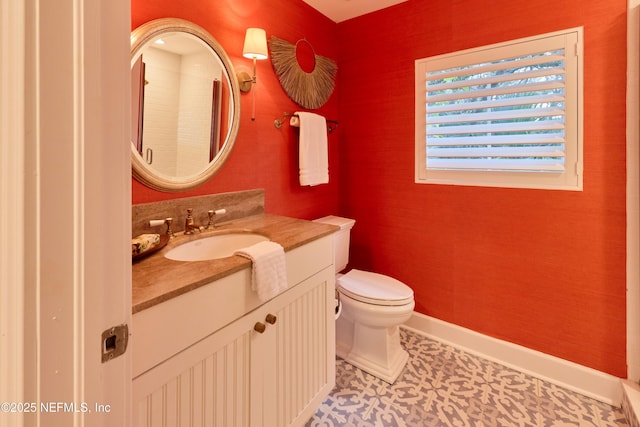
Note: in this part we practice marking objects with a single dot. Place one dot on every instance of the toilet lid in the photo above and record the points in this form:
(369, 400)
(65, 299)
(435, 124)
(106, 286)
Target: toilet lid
(374, 288)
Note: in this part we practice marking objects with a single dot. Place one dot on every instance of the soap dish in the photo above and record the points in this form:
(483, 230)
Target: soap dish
(147, 244)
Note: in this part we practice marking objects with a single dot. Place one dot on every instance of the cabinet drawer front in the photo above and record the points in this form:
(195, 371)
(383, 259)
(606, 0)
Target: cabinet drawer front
(307, 260)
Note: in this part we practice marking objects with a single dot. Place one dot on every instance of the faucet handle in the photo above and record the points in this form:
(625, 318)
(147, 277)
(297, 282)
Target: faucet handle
(211, 213)
(158, 222)
(169, 221)
(210, 223)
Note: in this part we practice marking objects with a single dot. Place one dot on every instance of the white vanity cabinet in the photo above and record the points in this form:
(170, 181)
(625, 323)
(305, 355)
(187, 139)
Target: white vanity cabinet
(199, 361)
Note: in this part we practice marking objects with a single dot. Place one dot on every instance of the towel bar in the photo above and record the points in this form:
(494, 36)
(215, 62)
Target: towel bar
(331, 124)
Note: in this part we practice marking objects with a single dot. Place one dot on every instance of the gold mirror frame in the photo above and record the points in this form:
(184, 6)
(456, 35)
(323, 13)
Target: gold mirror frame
(140, 38)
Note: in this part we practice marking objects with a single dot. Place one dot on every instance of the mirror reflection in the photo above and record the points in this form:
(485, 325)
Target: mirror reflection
(184, 112)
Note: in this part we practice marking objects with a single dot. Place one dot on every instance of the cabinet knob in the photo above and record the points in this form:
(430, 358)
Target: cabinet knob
(271, 319)
(259, 327)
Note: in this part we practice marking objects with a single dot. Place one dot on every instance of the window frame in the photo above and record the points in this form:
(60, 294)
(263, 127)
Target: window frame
(572, 176)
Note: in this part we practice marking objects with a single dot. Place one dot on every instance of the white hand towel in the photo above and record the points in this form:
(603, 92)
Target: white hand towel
(269, 272)
(314, 152)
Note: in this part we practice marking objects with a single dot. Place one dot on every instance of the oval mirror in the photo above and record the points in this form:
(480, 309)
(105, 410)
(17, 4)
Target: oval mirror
(185, 105)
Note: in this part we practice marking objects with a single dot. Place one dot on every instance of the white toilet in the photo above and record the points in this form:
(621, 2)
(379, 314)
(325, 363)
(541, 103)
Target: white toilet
(372, 307)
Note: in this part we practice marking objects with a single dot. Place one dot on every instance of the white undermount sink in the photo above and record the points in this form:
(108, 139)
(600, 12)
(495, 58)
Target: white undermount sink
(214, 247)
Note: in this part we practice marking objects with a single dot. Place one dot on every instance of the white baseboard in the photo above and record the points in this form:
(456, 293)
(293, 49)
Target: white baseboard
(589, 382)
(631, 402)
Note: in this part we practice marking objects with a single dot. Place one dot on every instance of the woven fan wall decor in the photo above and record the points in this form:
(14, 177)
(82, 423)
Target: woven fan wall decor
(309, 90)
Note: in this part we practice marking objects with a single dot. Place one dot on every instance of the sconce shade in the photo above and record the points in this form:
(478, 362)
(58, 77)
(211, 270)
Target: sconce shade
(255, 44)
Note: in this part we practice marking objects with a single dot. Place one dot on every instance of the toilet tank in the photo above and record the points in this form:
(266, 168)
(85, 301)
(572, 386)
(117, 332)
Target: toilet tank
(341, 239)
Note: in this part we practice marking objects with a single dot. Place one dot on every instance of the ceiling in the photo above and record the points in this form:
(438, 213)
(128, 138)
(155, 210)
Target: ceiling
(341, 10)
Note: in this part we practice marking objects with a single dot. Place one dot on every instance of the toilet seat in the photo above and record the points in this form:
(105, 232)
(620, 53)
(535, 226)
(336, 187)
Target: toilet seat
(374, 288)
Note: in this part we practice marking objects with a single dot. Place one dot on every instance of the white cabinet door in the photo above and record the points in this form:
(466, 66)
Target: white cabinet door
(207, 384)
(299, 357)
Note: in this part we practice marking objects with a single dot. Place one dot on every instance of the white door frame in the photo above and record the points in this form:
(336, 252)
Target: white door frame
(633, 191)
(65, 215)
(11, 196)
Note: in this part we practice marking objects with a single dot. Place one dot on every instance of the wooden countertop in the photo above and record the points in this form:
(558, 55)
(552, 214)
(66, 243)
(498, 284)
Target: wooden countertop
(156, 279)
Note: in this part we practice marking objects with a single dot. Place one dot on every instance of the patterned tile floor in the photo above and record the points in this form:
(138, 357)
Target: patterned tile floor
(444, 386)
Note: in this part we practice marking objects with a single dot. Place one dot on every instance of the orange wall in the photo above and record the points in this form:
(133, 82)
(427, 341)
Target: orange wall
(263, 156)
(543, 269)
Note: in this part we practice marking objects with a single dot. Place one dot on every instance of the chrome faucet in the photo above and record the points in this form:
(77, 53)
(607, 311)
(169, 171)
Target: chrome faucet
(189, 225)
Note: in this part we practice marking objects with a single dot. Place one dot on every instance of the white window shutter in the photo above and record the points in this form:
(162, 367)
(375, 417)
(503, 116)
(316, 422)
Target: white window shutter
(510, 111)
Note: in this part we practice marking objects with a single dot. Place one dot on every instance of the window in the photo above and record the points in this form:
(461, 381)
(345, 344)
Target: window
(506, 115)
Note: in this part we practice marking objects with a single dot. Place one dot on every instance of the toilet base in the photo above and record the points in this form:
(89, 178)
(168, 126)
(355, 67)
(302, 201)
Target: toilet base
(375, 350)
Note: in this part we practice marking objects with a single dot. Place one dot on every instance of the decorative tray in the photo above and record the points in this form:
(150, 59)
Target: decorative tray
(145, 245)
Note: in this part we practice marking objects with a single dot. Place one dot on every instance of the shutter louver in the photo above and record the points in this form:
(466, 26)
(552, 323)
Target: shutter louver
(507, 114)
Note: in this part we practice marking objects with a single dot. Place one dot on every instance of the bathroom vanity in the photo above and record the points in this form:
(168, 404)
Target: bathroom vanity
(207, 351)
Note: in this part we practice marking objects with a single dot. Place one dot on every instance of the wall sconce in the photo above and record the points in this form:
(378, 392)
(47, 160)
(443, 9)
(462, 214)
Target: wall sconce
(255, 47)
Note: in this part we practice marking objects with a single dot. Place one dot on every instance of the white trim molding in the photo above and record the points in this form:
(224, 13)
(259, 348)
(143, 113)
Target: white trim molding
(64, 174)
(586, 381)
(11, 206)
(631, 402)
(633, 191)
